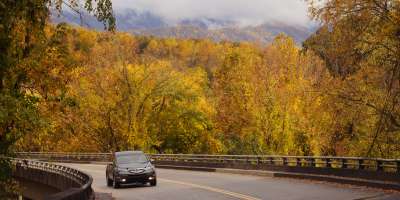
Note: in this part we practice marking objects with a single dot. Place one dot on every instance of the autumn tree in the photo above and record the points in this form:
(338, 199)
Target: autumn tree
(360, 42)
(23, 50)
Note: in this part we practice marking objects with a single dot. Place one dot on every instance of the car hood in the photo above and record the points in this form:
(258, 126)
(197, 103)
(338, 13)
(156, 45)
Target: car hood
(132, 165)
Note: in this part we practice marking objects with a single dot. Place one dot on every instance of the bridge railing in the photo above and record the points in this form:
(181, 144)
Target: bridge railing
(357, 163)
(73, 184)
(372, 164)
(61, 156)
(374, 172)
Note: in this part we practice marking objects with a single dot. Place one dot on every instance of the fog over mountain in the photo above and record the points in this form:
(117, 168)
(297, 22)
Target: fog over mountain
(244, 12)
(232, 20)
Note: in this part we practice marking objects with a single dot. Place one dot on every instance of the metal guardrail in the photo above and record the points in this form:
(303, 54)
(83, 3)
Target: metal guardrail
(356, 163)
(374, 164)
(372, 172)
(76, 185)
(60, 156)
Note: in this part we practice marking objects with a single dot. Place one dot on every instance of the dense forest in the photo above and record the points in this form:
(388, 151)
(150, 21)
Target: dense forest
(196, 96)
(65, 88)
(182, 96)
(338, 94)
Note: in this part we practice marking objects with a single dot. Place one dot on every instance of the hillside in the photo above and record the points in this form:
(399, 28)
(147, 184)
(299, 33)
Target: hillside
(146, 23)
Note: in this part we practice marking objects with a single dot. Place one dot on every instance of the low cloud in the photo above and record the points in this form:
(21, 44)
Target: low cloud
(246, 12)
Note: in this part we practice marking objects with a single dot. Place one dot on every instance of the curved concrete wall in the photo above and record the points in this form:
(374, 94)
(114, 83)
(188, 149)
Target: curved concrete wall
(70, 183)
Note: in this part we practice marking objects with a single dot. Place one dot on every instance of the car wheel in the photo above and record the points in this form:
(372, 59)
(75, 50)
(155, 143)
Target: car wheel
(109, 181)
(115, 184)
(153, 182)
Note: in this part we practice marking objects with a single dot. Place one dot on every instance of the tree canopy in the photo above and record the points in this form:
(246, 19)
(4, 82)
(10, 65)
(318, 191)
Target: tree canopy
(32, 67)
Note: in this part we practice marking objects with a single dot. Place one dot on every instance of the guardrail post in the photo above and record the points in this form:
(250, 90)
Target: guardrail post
(284, 161)
(344, 163)
(313, 162)
(379, 165)
(269, 160)
(328, 163)
(361, 164)
(298, 162)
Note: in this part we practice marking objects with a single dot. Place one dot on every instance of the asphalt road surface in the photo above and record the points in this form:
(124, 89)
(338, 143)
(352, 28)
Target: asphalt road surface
(192, 185)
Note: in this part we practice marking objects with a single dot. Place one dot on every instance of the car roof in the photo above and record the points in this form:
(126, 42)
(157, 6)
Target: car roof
(121, 153)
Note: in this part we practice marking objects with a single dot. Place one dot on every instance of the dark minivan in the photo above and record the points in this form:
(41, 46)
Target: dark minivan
(130, 167)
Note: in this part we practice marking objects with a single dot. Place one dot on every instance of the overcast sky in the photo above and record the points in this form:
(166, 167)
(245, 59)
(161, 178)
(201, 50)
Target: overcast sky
(247, 12)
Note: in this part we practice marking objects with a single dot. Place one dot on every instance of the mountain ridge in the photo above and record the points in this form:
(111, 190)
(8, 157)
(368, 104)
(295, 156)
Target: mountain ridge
(150, 24)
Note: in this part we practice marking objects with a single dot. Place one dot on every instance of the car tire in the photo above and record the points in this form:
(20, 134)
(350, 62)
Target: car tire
(109, 182)
(115, 184)
(153, 182)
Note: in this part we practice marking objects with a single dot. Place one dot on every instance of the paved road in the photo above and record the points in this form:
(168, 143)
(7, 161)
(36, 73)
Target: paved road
(180, 184)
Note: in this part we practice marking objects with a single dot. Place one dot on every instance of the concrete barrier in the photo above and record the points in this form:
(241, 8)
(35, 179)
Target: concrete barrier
(73, 184)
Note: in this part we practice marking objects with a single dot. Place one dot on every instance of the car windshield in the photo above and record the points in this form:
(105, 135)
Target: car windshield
(131, 158)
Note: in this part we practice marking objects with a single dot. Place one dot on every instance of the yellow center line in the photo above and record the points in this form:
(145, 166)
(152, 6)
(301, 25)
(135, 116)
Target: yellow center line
(229, 193)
